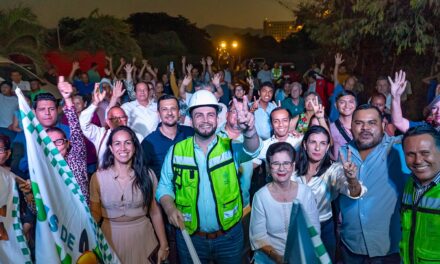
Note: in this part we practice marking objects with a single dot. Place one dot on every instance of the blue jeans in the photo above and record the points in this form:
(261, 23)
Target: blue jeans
(328, 237)
(225, 249)
(349, 257)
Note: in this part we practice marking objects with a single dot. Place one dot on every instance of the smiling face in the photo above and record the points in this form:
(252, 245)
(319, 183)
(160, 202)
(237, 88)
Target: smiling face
(346, 105)
(308, 102)
(316, 146)
(141, 92)
(122, 147)
(5, 153)
(280, 122)
(169, 112)
(266, 94)
(204, 119)
(281, 166)
(435, 112)
(422, 157)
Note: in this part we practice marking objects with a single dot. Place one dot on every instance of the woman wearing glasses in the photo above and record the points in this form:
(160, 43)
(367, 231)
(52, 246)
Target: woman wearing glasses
(122, 194)
(272, 205)
(73, 151)
(325, 179)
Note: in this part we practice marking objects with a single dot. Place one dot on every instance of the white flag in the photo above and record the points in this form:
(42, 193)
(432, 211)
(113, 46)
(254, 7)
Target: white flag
(66, 232)
(13, 247)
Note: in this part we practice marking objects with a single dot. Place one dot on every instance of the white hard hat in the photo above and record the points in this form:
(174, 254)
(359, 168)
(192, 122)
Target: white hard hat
(203, 98)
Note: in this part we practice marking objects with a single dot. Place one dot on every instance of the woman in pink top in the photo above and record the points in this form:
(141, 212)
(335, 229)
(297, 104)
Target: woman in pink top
(121, 195)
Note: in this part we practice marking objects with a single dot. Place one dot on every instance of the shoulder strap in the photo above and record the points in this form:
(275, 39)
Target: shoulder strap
(342, 130)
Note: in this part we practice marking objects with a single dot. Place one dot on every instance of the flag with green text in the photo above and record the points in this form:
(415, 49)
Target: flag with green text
(66, 232)
(13, 247)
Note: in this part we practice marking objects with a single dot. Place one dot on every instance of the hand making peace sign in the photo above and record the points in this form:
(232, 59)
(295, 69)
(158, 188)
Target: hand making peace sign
(245, 119)
(350, 169)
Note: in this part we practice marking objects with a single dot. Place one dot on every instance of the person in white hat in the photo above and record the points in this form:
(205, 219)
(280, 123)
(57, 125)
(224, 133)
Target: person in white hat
(199, 188)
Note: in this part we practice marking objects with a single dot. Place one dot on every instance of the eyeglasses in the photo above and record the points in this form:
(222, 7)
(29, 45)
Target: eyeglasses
(118, 118)
(3, 150)
(277, 165)
(60, 142)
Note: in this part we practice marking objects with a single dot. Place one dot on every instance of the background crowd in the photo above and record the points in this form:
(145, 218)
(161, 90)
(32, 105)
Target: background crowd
(224, 153)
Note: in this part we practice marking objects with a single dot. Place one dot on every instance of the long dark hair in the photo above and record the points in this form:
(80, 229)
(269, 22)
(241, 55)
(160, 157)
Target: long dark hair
(302, 163)
(141, 171)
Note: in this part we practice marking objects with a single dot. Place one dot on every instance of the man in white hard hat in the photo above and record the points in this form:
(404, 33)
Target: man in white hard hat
(199, 188)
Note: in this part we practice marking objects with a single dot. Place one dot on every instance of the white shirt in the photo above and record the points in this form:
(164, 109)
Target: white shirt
(294, 141)
(23, 85)
(142, 119)
(9, 105)
(97, 135)
(270, 219)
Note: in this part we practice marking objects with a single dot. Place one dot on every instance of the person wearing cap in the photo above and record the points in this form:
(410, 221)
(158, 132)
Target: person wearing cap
(401, 123)
(420, 214)
(199, 188)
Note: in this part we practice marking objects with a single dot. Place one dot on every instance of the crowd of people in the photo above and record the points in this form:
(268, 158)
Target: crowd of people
(223, 154)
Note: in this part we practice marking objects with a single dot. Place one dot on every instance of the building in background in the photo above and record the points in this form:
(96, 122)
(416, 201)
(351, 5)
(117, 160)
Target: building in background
(280, 30)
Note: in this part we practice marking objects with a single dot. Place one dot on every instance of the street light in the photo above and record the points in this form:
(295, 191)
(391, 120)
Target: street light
(234, 44)
(223, 44)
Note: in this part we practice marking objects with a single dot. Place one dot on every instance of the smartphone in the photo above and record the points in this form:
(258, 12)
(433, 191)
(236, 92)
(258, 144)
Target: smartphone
(101, 87)
(171, 66)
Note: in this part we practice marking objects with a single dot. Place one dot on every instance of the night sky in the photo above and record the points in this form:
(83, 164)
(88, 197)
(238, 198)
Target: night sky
(235, 13)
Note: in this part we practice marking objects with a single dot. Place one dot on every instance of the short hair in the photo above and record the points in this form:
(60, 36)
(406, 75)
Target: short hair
(56, 129)
(167, 97)
(382, 78)
(6, 141)
(377, 94)
(279, 108)
(8, 83)
(346, 93)
(367, 107)
(35, 80)
(146, 84)
(313, 93)
(421, 130)
(280, 147)
(267, 84)
(44, 97)
(299, 85)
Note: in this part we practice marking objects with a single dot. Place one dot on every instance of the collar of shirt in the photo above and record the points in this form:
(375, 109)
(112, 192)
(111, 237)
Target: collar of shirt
(210, 146)
(418, 185)
(116, 173)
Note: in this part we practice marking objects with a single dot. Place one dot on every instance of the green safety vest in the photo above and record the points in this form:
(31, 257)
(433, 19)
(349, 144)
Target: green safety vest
(224, 183)
(420, 226)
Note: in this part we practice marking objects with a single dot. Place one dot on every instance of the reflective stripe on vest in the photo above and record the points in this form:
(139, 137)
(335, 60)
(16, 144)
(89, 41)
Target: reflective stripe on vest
(420, 226)
(222, 175)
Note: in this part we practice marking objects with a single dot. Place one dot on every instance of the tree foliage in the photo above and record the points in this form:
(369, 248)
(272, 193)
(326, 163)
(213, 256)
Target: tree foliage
(196, 40)
(100, 32)
(20, 33)
(396, 25)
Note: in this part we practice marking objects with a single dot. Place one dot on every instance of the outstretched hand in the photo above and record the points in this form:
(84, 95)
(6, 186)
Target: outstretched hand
(97, 95)
(66, 90)
(399, 84)
(338, 59)
(118, 90)
(216, 79)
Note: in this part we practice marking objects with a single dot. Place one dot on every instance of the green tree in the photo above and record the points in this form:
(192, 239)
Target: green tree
(103, 32)
(20, 33)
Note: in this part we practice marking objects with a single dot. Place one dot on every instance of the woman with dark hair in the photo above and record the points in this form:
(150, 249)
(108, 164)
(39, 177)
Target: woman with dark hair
(326, 179)
(122, 194)
(313, 107)
(272, 205)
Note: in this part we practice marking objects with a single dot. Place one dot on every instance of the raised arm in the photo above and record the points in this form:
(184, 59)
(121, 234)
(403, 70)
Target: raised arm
(338, 62)
(90, 130)
(129, 84)
(118, 92)
(185, 83)
(121, 64)
(246, 122)
(109, 71)
(216, 82)
(75, 67)
(397, 89)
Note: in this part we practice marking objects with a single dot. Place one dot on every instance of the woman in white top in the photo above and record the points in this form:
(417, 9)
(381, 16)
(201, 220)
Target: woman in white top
(272, 205)
(326, 179)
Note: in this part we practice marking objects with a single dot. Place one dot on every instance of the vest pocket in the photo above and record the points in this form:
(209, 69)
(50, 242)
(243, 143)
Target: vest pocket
(230, 209)
(427, 247)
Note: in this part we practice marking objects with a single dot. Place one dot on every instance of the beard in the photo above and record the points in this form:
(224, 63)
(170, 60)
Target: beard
(205, 133)
(362, 145)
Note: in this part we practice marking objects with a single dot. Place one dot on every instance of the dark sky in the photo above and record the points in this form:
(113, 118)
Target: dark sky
(236, 13)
